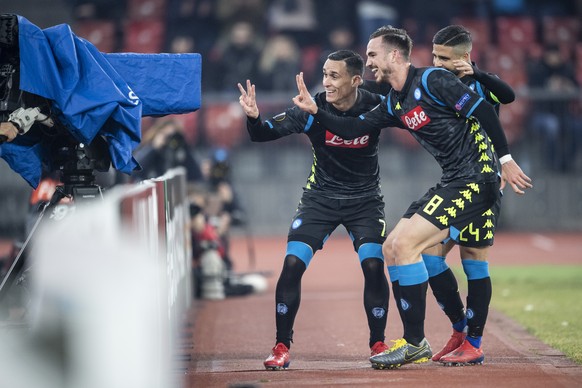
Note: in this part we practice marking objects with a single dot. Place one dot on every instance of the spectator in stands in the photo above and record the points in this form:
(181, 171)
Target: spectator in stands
(230, 12)
(552, 118)
(280, 56)
(338, 38)
(195, 20)
(236, 56)
(164, 147)
(295, 18)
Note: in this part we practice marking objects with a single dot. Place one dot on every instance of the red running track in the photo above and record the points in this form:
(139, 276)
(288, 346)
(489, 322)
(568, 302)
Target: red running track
(229, 339)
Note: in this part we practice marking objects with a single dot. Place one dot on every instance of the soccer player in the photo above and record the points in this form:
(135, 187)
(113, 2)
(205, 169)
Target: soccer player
(452, 47)
(343, 188)
(455, 125)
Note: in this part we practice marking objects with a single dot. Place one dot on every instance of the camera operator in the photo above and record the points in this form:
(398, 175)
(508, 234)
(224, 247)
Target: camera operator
(18, 110)
(8, 130)
(164, 147)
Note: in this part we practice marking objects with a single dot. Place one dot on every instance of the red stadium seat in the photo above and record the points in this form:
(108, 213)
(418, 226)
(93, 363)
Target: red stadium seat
(515, 31)
(144, 36)
(189, 122)
(479, 27)
(224, 124)
(512, 117)
(560, 29)
(421, 55)
(310, 56)
(146, 9)
(508, 64)
(99, 32)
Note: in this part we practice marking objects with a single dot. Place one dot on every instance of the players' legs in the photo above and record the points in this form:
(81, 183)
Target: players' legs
(376, 296)
(409, 240)
(443, 283)
(288, 297)
(479, 291)
(390, 261)
(364, 221)
(444, 287)
(312, 223)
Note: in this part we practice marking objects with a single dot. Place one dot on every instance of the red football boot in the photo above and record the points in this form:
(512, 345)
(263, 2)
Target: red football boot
(279, 358)
(466, 354)
(454, 342)
(378, 347)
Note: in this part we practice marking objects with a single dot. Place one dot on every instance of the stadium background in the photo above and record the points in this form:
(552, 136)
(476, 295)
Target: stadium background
(269, 184)
(507, 36)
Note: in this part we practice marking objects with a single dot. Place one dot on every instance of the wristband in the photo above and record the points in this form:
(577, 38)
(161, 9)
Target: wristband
(505, 158)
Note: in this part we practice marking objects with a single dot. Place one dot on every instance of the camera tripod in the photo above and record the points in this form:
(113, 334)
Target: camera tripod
(77, 164)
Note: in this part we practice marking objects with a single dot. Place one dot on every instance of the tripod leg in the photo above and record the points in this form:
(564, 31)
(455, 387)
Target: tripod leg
(18, 265)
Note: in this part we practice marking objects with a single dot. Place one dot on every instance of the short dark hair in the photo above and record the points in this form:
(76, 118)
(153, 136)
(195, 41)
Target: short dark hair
(354, 61)
(395, 37)
(453, 35)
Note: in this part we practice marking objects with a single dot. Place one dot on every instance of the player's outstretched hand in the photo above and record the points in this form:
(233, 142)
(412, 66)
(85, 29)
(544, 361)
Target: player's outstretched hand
(248, 100)
(304, 100)
(511, 173)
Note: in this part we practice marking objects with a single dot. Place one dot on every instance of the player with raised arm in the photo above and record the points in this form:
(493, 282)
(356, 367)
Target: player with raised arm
(343, 188)
(452, 47)
(455, 125)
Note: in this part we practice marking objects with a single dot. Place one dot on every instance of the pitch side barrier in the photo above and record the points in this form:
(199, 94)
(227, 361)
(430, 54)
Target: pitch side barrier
(110, 285)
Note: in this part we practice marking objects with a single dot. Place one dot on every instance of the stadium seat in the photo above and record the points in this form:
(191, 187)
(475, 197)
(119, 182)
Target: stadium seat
(421, 55)
(514, 32)
(99, 32)
(189, 122)
(508, 64)
(479, 27)
(223, 124)
(310, 56)
(560, 29)
(144, 36)
(146, 9)
(512, 117)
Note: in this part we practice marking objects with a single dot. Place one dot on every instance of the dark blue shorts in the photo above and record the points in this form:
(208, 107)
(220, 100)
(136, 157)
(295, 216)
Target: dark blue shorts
(469, 210)
(317, 217)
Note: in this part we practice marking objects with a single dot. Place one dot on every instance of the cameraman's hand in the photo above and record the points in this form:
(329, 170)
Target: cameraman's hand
(8, 131)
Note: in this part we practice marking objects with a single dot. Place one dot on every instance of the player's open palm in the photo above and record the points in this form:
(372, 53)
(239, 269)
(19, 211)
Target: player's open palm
(304, 100)
(248, 100)
(511, 173)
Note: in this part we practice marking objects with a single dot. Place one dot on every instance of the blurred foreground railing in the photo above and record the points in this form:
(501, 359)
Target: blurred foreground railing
(110, 287)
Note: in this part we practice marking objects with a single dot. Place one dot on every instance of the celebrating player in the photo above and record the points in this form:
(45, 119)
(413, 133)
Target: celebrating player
(454, 124)
(343, 188)
(452, 47)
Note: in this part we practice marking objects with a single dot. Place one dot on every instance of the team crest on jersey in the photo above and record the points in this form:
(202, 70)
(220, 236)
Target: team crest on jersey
(417, 94)
(280, 116)
(297, 223)
(415, 119)
(332, 140)
(462, 101)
